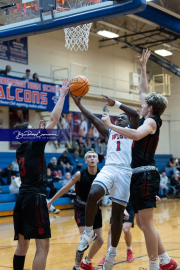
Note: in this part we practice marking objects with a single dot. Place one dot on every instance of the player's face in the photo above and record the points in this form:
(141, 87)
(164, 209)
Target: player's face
(145, 109)
(122, 121)
(91, 160)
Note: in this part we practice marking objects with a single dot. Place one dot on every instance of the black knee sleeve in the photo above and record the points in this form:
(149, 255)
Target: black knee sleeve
(79, 255)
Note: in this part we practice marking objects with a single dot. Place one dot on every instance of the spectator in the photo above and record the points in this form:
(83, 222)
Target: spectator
(83, 126)
(88, 145)
(7, 71)
(66, 181)
(175, 181)
(74, 147)
(55, 169)
(7, 173)
(15, 185)
(50, 183)
(28, 75)
(81, 147)
(171, 166)
(75, 162)
(99, 149)
(163, 189)
(35, 77)
(15, 169)
(64, 162)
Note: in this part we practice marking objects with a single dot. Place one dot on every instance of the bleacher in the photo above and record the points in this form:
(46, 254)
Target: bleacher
(7, 201)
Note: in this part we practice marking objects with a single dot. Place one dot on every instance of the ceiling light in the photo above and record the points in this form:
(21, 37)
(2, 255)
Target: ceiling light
(163, 52)
(107, 34)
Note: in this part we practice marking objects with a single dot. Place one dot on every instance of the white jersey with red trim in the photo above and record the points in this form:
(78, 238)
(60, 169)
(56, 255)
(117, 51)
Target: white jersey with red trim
(119, 150)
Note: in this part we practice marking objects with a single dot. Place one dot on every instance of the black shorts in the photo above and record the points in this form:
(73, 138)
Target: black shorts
(144, 188)
(80, 216)
(31, 217)
(130, 211)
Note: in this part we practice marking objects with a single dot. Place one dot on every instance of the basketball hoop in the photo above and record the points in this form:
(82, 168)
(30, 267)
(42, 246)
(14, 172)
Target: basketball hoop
(77, 38)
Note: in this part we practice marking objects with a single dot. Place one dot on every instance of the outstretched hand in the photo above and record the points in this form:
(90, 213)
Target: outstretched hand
(41, 124)
(106, 120)
(65, 87)
(110, 101)
(126, 215)
(144, 58)
(158, 199)
(77, 100)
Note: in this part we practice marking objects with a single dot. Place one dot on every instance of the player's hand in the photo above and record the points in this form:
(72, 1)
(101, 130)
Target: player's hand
(126, 215)
(110, 101)
(65, 87)
(41, 124)
(48, 205)
(106, 120)
(144, 58)
(77, 100)
(158, 199)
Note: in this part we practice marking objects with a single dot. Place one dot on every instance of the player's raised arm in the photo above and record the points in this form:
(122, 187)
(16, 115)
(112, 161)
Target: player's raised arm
(143, 84)
(134, 116)
(56, 113)
(94, 120)
(76, 177)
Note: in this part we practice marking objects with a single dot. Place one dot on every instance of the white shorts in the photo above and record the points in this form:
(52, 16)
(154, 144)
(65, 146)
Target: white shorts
(116, 182)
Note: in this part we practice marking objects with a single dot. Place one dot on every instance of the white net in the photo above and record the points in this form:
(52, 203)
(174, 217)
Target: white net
(77, 38)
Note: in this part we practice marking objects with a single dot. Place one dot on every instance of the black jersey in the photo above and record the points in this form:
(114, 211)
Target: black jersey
(32, 167)
(143, 151)
(83, 187)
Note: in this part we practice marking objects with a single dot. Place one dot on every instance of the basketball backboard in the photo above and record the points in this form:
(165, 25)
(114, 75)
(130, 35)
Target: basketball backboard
(26, 18)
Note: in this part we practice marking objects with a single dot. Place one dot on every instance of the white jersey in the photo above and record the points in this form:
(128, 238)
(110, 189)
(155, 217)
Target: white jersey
(118, 150)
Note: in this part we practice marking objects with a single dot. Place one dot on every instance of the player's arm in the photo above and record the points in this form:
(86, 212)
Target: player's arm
(56, 113)
(134, 116)
(143, 84)
(149, 127)
(94, 120)
(76, 177)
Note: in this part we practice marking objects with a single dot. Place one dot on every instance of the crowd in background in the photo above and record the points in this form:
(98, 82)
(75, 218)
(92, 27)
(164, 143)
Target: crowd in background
(27, 75)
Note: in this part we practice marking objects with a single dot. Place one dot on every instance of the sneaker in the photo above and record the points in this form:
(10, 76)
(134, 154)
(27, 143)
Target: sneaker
(102, 262)
(87, 238)
(56, 211)
(109, 260)
(172, 265)
(86, 266)
(130, 257)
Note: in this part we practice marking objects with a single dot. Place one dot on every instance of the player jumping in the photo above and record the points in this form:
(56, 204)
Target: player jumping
(114, 178)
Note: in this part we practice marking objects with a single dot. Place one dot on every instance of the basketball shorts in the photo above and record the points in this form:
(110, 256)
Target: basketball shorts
(130, 211)
(31, 217)
(116, 182)
(80, 216)
(144, 188)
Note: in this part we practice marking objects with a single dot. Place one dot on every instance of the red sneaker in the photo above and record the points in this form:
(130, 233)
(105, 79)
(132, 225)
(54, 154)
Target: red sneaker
(86, 266)
(172, 265)
(102, 262)
(130, 257)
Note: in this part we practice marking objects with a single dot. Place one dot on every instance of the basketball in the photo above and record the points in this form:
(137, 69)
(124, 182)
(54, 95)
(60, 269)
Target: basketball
(80, 86)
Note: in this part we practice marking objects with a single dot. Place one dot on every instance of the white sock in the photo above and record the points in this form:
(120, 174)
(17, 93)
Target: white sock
(154, 265)
(88, 229)
(77, 267)
(129, 247)
(164, 258)
(113, 250)
(87, 260)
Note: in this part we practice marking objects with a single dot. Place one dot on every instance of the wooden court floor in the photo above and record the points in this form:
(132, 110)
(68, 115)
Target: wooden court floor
(65, 238)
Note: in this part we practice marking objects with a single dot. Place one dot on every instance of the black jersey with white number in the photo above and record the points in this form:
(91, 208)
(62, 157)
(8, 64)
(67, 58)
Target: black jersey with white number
(32, 167)
(143, 151)
(83, 187)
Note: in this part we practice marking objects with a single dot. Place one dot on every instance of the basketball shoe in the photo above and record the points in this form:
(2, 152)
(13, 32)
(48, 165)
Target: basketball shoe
(130, 257)
(172, 265)
(102, 261)
(86, 266)
(87, 238)
(109, 260)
